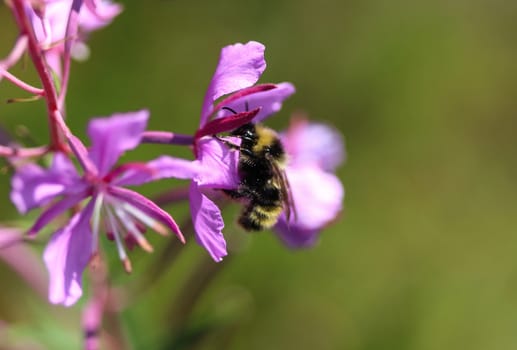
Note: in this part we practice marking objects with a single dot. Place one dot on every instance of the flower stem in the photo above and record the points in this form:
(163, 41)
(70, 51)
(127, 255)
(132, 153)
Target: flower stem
(71, 32)
(6, 151)
(164, 137)
(106, 304)
(40, 64)
(16, 53)
(21, 84)
(174, 195)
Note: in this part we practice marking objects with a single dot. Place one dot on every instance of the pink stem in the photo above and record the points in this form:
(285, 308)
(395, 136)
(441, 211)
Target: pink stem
(6, 151)
(94, 310)
(173, 196)
(21, 84)
(57, 125)
(41, 67)
(71, 32)
(165, 137)
(16, 53)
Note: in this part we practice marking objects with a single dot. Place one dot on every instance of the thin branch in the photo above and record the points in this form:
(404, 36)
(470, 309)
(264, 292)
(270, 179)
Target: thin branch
(72, 27)
(20, 83)
(164, 137)
(41, 67)
(6, 151)
(16, 53)
(172, 196)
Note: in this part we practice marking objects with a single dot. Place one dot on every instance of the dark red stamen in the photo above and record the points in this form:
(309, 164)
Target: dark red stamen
(227, 123)
(243, 92)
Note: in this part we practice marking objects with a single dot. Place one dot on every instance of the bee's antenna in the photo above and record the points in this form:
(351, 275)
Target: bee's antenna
(230, 109)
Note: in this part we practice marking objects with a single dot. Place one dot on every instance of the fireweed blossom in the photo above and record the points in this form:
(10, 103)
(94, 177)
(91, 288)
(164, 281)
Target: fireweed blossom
(315, 151)
(239, 68)
(121, 212)
(50, 20)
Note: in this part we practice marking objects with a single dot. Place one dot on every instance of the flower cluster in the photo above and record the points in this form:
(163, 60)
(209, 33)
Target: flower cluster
(87, 186)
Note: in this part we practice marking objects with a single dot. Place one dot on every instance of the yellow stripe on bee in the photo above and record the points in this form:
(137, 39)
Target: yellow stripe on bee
(265, 137)
(269, 211)
(265, 217)
(263, 222)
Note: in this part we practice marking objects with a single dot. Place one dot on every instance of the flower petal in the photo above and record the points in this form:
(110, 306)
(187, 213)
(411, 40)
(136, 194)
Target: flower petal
(296, 237)
(160, 168)
(208, 223)
(54, 210)
(63, 166)
(148, 207)
(96, 14)
(50, 24)
(314, 143)
(67, 255)
(33, 186)
(219, 164)
(318, 199)
(240, 66)
(269, 101)
(113, 136)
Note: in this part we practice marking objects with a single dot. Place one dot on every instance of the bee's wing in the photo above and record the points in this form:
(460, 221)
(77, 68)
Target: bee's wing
(285, 189)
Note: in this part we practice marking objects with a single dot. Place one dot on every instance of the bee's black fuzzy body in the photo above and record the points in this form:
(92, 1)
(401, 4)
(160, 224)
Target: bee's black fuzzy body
(261, 170)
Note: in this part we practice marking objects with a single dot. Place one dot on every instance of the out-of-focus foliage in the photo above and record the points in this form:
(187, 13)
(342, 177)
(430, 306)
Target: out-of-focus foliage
(425, 94)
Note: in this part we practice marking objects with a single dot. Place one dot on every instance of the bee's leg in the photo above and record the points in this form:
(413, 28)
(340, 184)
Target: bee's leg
(227, 143)
(234, 146)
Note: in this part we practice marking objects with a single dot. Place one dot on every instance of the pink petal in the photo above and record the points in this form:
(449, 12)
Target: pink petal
(318, 199)
(67, 255)
(208, 223)
(114, 135)
(53, 58)
(314, 143)
(63, 166)
(33, 186)
(269, 101)
(160, 168)
(218, 163)
(240, 66)
(50, 27)
(296, 237)
(56, 209)
(96, 14)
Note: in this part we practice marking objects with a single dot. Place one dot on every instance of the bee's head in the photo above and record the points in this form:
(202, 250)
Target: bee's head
(246, 132)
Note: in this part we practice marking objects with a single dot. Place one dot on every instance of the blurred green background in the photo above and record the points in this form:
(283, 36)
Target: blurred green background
(425, 95)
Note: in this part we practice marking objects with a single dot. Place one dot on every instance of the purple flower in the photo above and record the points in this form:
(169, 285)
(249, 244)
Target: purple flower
(50, 19)
(239, 68)
(121, 212)
(315, 151)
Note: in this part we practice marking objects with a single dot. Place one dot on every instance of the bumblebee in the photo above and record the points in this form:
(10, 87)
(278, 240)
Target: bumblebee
(263, 184)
